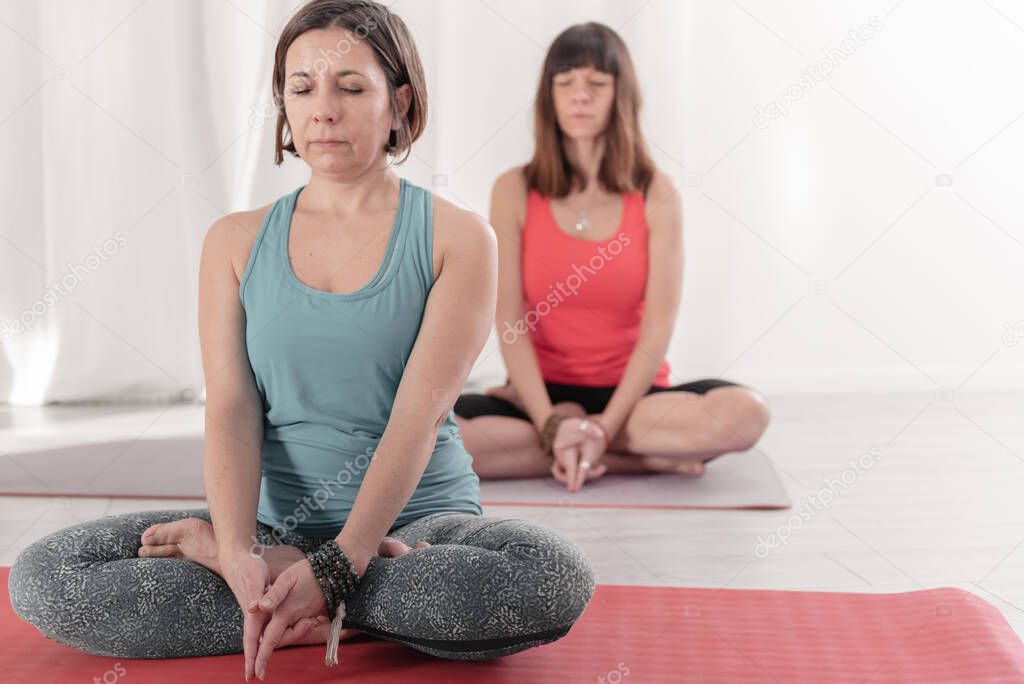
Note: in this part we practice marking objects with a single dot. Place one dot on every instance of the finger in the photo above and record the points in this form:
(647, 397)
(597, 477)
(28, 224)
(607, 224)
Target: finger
(300, 630)
(567, 439)
(277, 592)
(581, 473)
(557, 472)
(422, 544)
(253, 627)
(597, 472)
(392, 548)
(271, 638)
(571, 466)
(251, 587)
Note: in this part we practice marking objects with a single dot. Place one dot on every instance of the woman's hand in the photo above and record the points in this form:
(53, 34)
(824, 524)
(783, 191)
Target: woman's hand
(248, 575)
(290, 602)
(578, 448)
(294, 605)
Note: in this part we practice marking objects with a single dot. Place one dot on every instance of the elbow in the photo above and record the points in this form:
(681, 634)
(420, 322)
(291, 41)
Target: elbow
(442, 401)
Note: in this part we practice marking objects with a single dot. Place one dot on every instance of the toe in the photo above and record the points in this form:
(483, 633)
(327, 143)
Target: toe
(158, 550)
(149, 536)
(693, 468)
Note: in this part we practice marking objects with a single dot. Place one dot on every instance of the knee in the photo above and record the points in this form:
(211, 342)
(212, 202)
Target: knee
(745, 421)
(38, 585)
(561, 580)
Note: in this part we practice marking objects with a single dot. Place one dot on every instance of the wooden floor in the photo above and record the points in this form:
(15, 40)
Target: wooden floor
(937, 500)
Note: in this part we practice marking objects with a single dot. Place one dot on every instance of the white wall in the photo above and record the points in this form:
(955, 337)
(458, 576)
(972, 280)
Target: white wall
(822, 252)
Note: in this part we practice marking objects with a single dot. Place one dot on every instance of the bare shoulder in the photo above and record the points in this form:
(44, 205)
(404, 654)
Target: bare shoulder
(509, 194)
(512, 183)
(459, 233)
(663, 201)
(235, 234)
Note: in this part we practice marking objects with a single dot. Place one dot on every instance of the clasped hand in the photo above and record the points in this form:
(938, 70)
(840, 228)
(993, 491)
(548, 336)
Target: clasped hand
(578, 448)
(287, 611)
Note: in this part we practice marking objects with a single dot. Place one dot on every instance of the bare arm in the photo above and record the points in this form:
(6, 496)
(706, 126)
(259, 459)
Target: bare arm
(508, 200)
(456, 321)
(661, 301)
(234, 409)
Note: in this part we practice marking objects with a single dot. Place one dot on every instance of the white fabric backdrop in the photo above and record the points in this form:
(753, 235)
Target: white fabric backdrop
(868, 239)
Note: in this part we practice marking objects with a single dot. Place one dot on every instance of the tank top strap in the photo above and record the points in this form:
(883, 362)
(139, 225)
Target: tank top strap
(265, 255)
(418, 233)
(539, 218)
(634, 214)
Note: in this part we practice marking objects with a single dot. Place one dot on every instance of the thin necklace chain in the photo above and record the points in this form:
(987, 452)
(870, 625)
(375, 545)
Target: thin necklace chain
(583, 223)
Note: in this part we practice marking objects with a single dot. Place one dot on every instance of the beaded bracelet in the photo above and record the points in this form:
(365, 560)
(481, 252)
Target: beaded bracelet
(548, 432)
(338, 580)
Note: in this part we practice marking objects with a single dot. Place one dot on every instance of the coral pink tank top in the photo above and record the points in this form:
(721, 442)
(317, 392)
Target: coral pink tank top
(584, 300)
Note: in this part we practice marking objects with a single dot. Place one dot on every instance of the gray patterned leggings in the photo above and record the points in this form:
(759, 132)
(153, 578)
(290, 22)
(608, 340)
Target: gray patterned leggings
(487, 587)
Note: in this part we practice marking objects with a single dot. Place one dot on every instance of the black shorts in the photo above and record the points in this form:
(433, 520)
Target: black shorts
(592, 399)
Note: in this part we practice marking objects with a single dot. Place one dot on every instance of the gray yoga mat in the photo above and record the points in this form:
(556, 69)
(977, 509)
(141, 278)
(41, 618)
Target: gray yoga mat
(736, 480)
(171, 467)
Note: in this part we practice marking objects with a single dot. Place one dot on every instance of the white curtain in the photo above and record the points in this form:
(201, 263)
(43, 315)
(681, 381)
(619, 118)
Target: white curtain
(129, 128)
(868, 239)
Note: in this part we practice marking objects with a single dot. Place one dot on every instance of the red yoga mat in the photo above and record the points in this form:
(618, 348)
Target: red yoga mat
(630, 634)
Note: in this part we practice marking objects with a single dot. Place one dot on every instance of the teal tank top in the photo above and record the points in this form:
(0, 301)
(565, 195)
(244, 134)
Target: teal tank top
(328, 366)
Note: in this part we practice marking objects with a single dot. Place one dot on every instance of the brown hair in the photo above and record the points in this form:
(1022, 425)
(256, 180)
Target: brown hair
(393, 48)
(626, 165)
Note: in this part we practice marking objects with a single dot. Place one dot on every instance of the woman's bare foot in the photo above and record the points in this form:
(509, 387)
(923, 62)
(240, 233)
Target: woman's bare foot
(677, 466)
(189, 539)
(193, 539)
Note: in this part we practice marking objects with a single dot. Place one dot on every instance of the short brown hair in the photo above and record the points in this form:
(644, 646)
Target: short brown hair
(393, 47)
(626, 165)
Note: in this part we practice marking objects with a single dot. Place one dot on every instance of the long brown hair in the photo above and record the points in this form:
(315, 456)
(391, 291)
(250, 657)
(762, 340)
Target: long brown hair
(393, 48)
(626, 165)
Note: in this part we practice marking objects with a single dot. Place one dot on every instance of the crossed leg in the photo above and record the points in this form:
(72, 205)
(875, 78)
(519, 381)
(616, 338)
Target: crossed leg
(666, 432)
(483, 587)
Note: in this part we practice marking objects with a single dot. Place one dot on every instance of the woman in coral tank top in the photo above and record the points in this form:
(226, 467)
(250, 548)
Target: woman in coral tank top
(590, 246)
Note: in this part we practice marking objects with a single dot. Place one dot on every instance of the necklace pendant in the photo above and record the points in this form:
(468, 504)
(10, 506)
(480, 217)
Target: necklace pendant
(582, 224)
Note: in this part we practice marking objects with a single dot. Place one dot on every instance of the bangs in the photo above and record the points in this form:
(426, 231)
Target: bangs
(584, 46)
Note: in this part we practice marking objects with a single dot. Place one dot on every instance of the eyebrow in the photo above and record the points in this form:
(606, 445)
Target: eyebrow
(340, 72)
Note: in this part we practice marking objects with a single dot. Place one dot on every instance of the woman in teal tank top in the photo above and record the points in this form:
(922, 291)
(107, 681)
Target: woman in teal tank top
(332, 360)
(328, 367)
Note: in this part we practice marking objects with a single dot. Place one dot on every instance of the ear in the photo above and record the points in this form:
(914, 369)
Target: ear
(403, 99)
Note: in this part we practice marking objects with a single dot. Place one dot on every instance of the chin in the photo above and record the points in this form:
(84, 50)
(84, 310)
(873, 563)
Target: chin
(581, 132)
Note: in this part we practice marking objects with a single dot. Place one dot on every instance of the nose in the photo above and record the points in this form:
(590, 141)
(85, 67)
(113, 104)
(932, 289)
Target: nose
(324, 116)
(582, 93)
(326, 110)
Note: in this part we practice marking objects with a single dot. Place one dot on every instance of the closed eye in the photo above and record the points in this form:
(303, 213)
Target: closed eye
(354, 91)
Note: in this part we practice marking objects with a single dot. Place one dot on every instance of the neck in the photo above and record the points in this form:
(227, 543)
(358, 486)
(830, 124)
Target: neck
(585, 155)
(374, 188)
